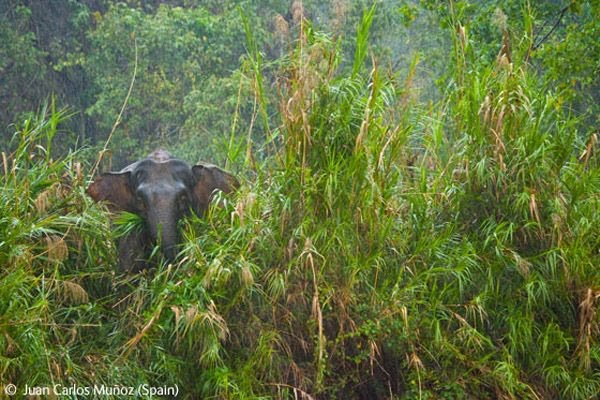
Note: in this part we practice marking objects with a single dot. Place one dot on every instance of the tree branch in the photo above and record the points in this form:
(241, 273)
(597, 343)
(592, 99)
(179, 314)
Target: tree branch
(118, 120)
(560, 16)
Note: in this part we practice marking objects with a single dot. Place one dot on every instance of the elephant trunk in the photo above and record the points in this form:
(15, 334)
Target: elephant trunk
(163, 228)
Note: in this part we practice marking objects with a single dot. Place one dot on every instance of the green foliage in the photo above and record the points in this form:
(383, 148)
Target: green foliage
(52, 248)
(571, 63)
(385, 248)
(41, 52)
(362, 274)
(182, 78)
(20, 60)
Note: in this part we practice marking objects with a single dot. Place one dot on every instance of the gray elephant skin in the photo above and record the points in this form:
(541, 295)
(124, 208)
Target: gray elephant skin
(161, 190)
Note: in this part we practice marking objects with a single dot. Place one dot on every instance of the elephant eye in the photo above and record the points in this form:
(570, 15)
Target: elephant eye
(183, 201)
(140, 199)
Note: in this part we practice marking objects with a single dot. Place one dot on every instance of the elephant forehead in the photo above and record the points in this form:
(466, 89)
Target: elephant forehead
(163, 191)
(172, 171)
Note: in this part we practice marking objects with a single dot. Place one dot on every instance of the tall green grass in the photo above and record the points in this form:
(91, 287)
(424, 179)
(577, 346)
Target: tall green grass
(52, 250)
(385, 249)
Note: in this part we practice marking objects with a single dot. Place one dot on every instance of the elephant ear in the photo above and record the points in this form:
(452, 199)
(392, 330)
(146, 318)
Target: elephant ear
(115, 188)
(208, 179)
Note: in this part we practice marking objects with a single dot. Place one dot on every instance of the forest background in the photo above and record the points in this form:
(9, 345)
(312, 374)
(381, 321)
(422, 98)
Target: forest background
(417, 217)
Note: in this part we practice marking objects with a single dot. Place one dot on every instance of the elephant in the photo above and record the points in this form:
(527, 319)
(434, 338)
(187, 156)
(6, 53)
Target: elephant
(161, 190)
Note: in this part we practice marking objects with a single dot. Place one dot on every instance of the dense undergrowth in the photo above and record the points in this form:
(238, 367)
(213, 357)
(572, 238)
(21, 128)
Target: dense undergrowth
(384, 249)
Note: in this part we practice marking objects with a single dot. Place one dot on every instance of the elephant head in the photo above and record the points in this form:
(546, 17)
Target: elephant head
(161, 190)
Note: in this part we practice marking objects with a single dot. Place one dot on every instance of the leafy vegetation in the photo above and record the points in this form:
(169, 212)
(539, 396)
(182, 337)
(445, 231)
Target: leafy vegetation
(380, 246)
